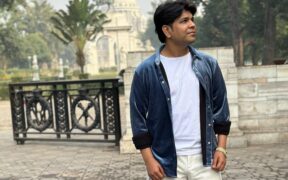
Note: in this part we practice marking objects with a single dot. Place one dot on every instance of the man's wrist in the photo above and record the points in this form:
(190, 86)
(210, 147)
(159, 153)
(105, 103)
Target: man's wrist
(223, 150)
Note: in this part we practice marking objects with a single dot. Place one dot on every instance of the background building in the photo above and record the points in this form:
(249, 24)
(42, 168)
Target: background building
(121, 35)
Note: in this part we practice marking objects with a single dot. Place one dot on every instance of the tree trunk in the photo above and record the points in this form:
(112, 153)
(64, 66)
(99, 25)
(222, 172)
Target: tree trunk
(80, 60)
(3, 63)
(233, 8)
(253, 55)
(241, 50)
(82, 69)
(269, 33)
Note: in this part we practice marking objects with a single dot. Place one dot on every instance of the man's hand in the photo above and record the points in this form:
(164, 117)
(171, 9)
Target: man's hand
(219, 161)
(154, 169)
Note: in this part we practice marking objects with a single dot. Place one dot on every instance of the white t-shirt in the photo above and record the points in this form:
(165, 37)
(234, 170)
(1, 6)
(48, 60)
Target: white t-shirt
(184, 91)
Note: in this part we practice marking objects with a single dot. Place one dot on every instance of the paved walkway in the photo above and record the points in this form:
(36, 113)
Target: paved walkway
(73, 161)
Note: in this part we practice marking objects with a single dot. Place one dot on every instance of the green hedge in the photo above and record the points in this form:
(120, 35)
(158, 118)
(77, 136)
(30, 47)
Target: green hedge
(4, 90)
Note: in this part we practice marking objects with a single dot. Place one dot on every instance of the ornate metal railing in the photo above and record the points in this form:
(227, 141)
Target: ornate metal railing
(66, 111)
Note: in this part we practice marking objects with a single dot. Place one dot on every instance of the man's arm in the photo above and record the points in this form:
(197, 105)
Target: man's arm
(221, 118)
(221, 114)
(141, 136)
(138, 110)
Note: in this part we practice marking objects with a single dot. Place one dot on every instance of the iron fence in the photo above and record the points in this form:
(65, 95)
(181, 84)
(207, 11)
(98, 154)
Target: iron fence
(84, 110)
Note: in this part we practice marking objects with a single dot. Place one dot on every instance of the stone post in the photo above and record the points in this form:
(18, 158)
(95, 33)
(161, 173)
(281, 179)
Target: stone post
(61, 69)
(133, 59)
(35, 69)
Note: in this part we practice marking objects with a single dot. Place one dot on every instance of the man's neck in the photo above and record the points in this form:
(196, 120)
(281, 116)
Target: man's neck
(174, 51)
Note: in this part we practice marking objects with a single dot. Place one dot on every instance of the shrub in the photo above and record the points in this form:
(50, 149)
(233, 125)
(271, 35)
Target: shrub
(4, 91)
(83, 76)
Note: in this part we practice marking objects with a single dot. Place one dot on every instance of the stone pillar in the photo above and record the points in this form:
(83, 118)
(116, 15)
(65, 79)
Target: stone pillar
(224, 57)
(35, 68)
(126, 144)
(61, 69)
(133, 59)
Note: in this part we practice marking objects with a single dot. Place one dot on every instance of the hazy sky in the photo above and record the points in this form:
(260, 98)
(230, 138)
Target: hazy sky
(145, 5)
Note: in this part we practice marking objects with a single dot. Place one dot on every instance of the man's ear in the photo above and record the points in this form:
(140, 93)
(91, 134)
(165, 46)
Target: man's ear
(167, 31)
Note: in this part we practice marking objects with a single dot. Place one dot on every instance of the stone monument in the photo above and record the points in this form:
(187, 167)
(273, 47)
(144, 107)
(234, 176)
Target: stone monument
(35, 69)
(61, 69)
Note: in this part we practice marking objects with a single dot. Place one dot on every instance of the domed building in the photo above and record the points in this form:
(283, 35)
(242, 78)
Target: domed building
(121, 35)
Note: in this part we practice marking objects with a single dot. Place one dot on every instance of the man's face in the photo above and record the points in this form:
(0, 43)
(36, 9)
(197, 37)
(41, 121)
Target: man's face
(183, 29)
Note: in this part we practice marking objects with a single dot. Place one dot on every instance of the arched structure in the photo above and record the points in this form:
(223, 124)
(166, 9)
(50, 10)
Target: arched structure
(119, 36)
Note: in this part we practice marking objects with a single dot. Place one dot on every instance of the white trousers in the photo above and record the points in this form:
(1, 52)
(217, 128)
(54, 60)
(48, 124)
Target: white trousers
(191, 168)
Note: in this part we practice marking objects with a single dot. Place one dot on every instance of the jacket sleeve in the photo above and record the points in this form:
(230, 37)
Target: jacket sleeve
(221, 115)
(138, 112)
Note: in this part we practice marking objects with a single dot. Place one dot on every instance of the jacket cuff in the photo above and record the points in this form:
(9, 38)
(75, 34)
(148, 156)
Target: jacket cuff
(142, 141)
(222, 128)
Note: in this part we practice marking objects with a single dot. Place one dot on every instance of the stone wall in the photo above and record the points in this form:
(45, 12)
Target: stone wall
(263, 103)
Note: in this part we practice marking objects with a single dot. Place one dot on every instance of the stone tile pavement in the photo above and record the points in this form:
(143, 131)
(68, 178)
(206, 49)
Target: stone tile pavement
(92, 161)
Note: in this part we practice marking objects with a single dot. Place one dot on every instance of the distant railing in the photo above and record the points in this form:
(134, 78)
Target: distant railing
(66, 111)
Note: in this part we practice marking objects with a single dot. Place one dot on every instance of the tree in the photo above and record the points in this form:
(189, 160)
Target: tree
(236, 32)
(9, 4)
(38, 18)
(150, 34)
(213, 28)
(9, 36)
(269, 32)
(33, 43)
(79, 24)
(26, 32)
(265, 32)
(275, 10)
(9, 47)
(281, 49)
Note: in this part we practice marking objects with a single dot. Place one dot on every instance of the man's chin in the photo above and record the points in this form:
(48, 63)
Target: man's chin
(190, 41)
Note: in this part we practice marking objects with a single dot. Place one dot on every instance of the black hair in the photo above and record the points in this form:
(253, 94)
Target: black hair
(168, 12)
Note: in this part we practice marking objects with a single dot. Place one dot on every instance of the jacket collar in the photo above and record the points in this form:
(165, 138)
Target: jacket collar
(193, 51)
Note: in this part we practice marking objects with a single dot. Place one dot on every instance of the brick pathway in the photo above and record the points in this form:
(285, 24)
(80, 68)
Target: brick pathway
(73, 161)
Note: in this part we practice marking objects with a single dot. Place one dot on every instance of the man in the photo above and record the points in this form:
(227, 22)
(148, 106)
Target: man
(178, 103)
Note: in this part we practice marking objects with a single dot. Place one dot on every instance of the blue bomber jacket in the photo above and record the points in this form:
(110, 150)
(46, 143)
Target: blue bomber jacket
(151, 109)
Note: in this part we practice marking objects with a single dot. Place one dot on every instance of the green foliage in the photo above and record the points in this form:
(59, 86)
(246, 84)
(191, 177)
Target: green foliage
(25, 32)
(109, 69)
(282, 38)
(150, 34)
(8, 4)
(79, 24)
(83, 76)
(16, 49)
(4, 91)
(104, 75)
(38, 18)
(9, 46)
(34, 44)
(213, 28)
